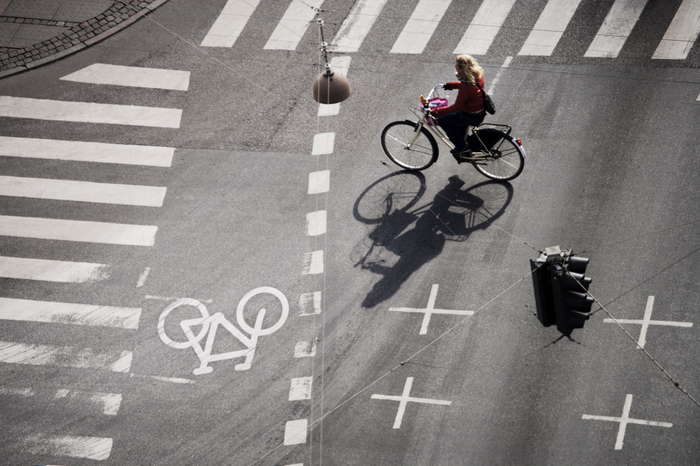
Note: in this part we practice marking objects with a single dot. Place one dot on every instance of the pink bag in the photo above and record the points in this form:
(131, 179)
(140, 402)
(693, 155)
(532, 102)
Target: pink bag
(437, 102)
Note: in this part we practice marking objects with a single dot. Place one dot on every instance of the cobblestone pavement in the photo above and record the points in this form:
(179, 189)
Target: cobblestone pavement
(36, 32)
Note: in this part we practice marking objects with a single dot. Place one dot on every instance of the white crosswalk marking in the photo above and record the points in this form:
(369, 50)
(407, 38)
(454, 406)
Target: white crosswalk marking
(107, 403)
(21, 268)
(131, 76)
(93, 448)
(64, 356)
(484, 27)
(616, 28)
(89, 112)
(420, 26)
(293, 25)
(69, 313)
(81, 151)
(230, 23)
(357, 25)
(681, 34)
(549, 28)
(82, 191)
(78, 230)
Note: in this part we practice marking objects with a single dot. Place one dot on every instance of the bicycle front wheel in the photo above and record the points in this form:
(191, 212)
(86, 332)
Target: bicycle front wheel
(408, 147)
(505, 159)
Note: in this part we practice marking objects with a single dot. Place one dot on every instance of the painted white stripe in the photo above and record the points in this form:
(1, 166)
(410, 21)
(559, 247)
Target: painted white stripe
(293, 25)
(21, 268)
(64, 356)
(69, 313)
(323, 143)
(549, 28)
(698, 98)
(313, 263)
(79, 151)
(142, 278)
(616, 28)
(89, 112)
(109, 403)
(82, 191)
(339, 65)
(295, 432)
(9, 391)
(681, 33)
(357, 24)
(310, 303)
(93, 448)
(316, 223)
(319, 182)
(78, 230)
(131, 76)
(300, 388)
(230, 23)
(420, 26)
(494, 81)
(484, 27)
(305, 349)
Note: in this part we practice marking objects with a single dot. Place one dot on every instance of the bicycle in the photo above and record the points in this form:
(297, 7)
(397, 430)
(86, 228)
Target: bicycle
(412, 145)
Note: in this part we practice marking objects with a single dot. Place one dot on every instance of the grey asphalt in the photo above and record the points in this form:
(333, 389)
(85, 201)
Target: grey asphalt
(611, 171)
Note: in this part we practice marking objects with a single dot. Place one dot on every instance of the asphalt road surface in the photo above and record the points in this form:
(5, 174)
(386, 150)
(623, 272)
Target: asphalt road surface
(142, 238)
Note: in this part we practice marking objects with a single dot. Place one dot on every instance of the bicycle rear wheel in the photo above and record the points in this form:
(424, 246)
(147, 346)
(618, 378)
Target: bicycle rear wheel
(504, 158)
(409, 147)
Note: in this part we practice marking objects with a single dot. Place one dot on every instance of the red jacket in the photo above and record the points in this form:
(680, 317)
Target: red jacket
(468, 100)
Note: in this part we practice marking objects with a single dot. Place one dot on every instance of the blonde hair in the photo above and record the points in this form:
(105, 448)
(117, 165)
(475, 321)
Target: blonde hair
(468, 68)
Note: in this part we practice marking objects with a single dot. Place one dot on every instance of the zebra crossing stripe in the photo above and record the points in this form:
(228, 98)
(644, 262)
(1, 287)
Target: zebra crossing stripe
(681, 34)
(82, 191)
(357, 24)
(78, 230)
(108, 403)
(230, 23)
(616, 28)
(93, 448)
(549, 28)
(484, 27)
(26, 310)
(21, 268)
(420, 26)
(131, 76)
(64, 356)
(89, 112)
(82, 151)
(293, 25)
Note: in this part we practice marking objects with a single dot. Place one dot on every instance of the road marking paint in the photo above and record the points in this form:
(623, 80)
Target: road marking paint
(175, 298)
(484, 27)
(323, 143)
(549, 28)
(21, 268)
(109, 403)
(94, 448)
(82, 191)
(616, 28)
(230, 23)
(310, 303)
(69, 313)
(405, 398)
(300, 388)
(305, 349)
(357, 25)
(646, 321)
(316, 223)
(177, 380)
(420, 27)
(319, 182)
(624, 420)
(295, 432)
(313, 263)
(293, 25)
(9, 391)
(506, 64)
(698, 98)
(64, 356)
(89, 112)
(81, 151)
(131, 76)
(78, 230)
(339, 65)
(143, 277)
(681, 33)
(295, 464)
(429, 310)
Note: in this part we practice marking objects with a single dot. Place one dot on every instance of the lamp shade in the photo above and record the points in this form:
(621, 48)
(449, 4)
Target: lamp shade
(330, 88)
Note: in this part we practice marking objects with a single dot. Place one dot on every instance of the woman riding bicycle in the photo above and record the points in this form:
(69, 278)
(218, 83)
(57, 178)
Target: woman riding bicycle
(468, 108)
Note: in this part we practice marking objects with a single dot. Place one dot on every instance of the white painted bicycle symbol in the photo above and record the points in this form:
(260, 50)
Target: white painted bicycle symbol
(210, 324)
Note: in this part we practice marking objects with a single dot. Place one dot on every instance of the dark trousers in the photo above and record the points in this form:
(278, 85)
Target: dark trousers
(455, 126)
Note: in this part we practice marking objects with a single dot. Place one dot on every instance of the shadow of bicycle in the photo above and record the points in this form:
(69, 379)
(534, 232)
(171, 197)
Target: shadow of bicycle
(406, 235)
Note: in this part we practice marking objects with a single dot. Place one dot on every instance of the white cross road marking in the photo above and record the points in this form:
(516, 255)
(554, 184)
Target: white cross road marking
(616, 28)
(295, 432)
(484, 27)
(429, 310)
(624, 420)
(646, 322)
(357, 25)
(230, 23)
(681, 33)
(405, 398)
(131, 76)
(293, 25)
(420, 26)
(549, 28)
